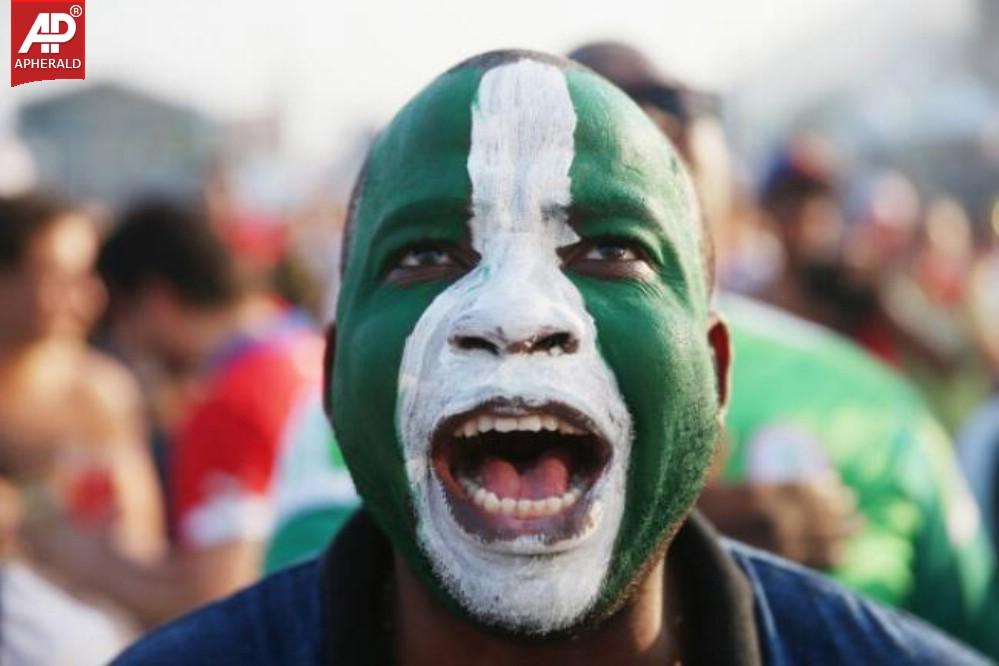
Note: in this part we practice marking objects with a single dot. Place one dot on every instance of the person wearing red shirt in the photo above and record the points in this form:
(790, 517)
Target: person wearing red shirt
(250, 372)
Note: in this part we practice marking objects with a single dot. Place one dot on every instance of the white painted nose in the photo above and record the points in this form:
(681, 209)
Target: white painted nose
(521, 313)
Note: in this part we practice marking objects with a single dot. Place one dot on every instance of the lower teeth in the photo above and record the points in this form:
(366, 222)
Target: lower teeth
(519, 508)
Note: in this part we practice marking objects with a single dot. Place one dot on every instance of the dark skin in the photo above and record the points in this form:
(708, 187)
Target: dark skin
(644, 631)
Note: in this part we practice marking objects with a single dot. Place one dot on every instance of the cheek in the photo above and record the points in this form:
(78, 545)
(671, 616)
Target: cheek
(370, 364)
(370, 343)
(371, 336)
(373, 344)
(15, 307)
(658, 351)
(650, 341)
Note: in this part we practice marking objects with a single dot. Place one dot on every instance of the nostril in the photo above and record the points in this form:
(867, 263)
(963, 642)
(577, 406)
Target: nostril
(471, 342)
(553, 342)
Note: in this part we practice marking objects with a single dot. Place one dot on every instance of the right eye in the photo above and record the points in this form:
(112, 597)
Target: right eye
(428, 261)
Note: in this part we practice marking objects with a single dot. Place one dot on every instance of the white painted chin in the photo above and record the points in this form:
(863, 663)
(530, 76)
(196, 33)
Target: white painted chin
(529, 584)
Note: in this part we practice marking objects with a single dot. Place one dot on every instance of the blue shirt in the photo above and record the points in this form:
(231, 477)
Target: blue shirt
(742, 607)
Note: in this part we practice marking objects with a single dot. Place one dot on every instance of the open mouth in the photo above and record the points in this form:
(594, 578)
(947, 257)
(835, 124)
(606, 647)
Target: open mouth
(509, 470)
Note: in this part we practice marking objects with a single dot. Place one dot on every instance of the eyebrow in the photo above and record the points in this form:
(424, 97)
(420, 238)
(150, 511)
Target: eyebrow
(429, 211)
(631, 206)
(618, 205)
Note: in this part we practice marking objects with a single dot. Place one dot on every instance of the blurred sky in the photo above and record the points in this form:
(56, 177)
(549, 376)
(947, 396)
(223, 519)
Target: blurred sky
(331, 68)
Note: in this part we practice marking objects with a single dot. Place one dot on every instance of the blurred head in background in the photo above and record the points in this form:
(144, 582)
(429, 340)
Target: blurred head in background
(48, 287)
(172, 283)
(801, 194)
(689, 117)
(746, 255)
(946, 252)
(887, 225)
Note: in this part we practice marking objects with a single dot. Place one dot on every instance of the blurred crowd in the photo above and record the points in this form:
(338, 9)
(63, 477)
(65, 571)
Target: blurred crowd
(163, 441)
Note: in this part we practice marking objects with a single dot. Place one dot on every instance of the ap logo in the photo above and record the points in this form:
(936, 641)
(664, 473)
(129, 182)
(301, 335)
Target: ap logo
(49, 30)
(47, 40)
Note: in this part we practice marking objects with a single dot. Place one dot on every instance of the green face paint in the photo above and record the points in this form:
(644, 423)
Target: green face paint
(523, 389)
(652, 333)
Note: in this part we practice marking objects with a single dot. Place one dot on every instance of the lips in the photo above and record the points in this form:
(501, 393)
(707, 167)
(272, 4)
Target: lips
(509, 470)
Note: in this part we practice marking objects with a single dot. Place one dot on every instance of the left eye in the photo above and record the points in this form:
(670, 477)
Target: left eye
(608, 258)
(425, 257)
(611, 251)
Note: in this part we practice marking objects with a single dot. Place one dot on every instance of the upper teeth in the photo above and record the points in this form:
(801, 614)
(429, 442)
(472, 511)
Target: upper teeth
(532, 423)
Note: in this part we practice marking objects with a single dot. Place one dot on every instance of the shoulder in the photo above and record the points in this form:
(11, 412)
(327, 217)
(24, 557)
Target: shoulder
(293, 349)
(798, 345)
(276, 621)
(104, 383)
(269, 372)
(804, 617)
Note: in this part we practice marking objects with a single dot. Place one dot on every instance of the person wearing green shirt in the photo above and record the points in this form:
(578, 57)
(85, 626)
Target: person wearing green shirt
(807, 402)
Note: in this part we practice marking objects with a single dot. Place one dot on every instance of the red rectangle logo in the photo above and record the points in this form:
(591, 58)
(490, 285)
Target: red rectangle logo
(47, 40)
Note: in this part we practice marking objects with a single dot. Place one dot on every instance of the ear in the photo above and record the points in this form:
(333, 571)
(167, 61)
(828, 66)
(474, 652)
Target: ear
(328, 359)
(94, 302)
(721, 346)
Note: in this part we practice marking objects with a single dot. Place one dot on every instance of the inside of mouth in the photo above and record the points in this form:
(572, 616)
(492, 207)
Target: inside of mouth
(526, 465)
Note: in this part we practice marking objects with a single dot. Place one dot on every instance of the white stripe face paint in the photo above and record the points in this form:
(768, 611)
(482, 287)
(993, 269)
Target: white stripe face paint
(522, 148)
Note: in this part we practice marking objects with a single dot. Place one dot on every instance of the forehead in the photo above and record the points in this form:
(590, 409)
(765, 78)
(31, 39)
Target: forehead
(621, 164)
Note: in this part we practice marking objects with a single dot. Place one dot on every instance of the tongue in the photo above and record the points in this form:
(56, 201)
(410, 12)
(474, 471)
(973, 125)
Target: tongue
(500, 477)
(545, 476)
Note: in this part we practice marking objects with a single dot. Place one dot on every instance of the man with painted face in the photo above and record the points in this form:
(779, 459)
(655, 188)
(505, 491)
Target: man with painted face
(527, 383)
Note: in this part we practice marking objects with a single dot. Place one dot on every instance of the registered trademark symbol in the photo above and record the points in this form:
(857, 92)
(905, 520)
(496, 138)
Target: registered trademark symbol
(76, 11)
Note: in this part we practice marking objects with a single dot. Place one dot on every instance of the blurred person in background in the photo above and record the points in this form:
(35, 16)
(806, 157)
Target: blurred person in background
(72, 449)
(294, 256)
(830, 407)
(746, 252)
(837, 464)
(884, 280)
(930, 301)
(979, 438)
(875, 251)
(251, 367)
(801, 194)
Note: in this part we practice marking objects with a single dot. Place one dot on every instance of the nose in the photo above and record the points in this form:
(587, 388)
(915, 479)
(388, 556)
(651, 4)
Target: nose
(524, 305)
(497, 341)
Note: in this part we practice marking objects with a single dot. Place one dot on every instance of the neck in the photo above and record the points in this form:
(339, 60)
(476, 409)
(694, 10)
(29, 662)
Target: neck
(788, 294)
(639, 633)
(20, 354)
